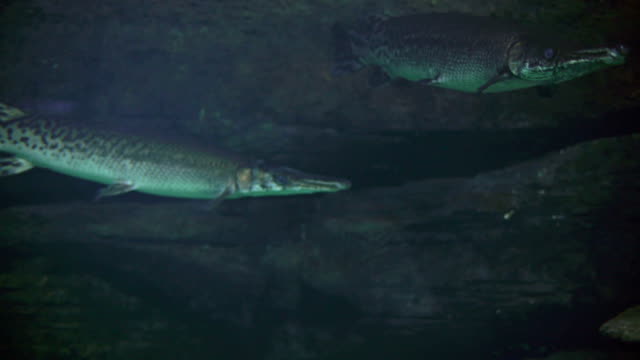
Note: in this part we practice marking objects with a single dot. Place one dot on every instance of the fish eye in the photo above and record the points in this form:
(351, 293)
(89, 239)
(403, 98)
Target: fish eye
(549, 53)
(281, 179)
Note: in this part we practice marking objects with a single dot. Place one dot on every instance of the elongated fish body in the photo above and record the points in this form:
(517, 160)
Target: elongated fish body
(127, 163)
(464, 52)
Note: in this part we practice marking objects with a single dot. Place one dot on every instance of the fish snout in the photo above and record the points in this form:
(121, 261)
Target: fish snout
(281, 181)
(619, 51)
(302, 182)
(614, 55)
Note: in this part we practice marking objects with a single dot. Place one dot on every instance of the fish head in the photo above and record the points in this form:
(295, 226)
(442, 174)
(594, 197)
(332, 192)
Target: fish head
(260, 180)
(551, 65)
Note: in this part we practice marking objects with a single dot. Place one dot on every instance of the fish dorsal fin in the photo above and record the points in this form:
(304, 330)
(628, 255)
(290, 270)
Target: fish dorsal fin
(8, 113)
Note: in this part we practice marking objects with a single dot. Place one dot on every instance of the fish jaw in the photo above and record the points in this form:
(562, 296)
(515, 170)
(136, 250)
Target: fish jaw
(544, 66)
(283, 181)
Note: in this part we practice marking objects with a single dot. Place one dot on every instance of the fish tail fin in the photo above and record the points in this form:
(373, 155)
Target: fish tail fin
(344, 59)
(8, 113)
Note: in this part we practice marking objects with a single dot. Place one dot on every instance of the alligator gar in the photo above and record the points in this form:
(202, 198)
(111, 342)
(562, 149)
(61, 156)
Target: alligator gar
(465, 53)
(130, 163)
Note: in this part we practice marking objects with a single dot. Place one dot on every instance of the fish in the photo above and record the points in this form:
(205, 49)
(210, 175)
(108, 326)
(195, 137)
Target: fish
(625, 326)
(125, 162)
(464, 52)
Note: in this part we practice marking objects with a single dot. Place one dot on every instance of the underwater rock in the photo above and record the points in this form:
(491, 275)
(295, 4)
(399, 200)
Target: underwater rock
(625, 326)
(512, 248)
(575, 355)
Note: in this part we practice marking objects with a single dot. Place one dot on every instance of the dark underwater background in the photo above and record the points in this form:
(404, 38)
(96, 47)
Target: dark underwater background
(500, 226)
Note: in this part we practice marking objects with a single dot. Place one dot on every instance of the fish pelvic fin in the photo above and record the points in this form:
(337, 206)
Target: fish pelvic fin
(8, 113)
(120, 187)
(13, 166)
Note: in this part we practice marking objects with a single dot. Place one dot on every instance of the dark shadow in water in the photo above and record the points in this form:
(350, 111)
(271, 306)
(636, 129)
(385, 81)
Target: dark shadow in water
(400, 157)
(196, 330)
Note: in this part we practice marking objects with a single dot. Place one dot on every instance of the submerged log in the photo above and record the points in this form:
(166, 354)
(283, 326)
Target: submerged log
(539, 248)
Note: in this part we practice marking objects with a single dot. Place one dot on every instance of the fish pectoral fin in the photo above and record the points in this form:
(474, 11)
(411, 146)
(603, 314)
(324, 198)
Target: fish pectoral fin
(213, 203)
(500, 76)
(378, 77)
(14, 165)
(432, 81)
(120, 187)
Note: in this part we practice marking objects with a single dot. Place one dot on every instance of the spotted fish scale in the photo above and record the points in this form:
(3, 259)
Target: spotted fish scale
(105, 157)
(127, 163)
(465, 53)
